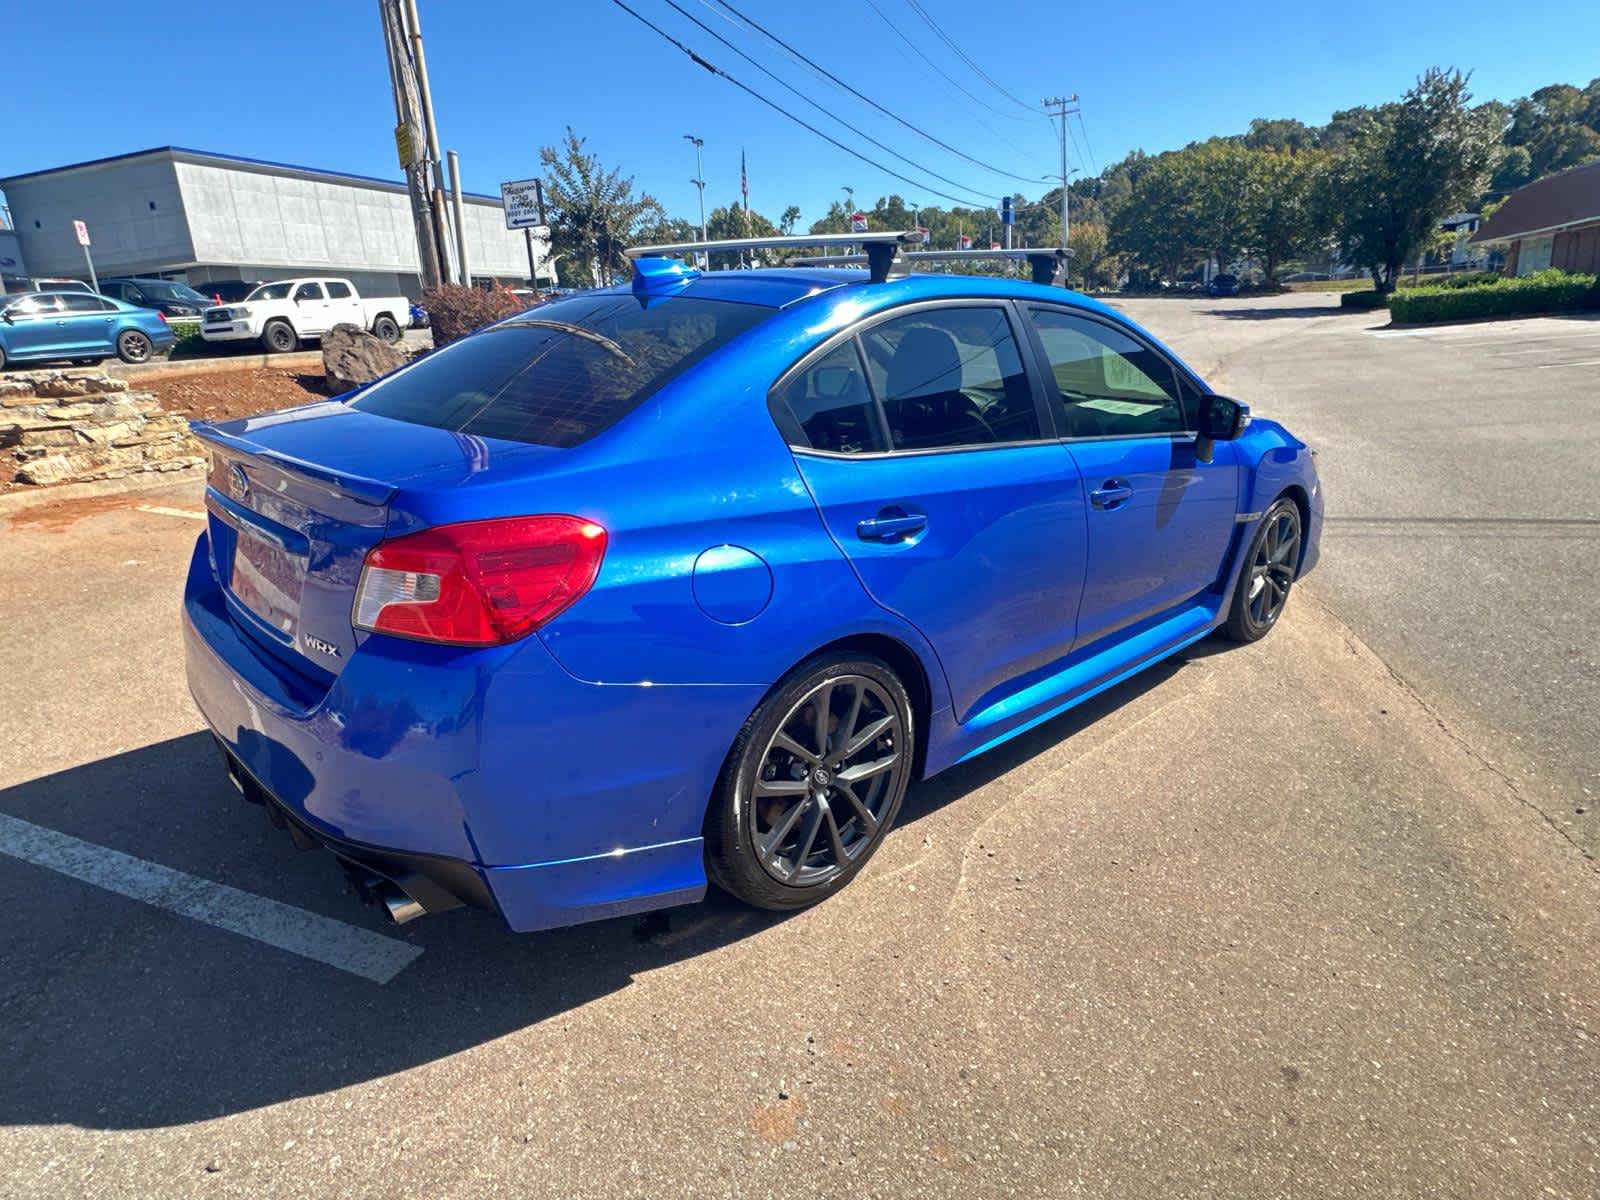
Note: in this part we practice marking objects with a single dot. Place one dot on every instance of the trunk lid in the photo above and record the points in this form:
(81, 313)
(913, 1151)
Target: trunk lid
(295, 500)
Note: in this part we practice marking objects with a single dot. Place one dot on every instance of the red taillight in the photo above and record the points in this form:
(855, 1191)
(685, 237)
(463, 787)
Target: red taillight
(162, 315)
(479, 583)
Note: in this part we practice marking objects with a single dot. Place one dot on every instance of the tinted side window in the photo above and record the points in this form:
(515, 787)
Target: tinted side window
(1108, 384)
(338, 291)
(82, 302)
(831, 402)
(951, 377)
(308, 291)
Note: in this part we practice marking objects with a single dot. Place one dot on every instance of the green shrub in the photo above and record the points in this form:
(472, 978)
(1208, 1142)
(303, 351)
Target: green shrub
(1467, 279)
(1543, 291)
(189, 340)
(1363, 300)
(455, 311)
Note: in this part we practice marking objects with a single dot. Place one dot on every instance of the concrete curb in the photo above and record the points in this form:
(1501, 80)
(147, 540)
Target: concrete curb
(134, 372)
(148, 481)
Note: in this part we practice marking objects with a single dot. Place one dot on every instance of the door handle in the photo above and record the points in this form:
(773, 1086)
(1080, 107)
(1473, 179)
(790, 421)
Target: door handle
(890, 525)
(1113, 493)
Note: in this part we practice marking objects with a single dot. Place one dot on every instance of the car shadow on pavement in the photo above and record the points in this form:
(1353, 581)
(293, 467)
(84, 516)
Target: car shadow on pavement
(1272, 314)
(119, 1015)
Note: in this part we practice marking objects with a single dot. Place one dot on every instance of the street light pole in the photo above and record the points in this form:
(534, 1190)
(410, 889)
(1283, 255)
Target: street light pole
(699, 181)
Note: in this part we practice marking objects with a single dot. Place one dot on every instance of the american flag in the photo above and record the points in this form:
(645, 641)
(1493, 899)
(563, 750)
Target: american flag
(744, 189)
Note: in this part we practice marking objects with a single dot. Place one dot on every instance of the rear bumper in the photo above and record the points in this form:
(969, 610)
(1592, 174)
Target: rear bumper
(566, 801)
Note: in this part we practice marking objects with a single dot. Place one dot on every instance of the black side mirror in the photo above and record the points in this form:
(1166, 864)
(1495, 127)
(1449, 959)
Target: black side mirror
(1221, 420)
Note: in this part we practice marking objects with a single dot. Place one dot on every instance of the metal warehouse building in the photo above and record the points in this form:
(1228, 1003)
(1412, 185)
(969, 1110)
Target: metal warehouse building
(198, 216)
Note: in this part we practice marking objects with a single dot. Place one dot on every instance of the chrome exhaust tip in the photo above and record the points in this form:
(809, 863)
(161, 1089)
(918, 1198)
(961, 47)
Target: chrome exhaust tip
(402, 908)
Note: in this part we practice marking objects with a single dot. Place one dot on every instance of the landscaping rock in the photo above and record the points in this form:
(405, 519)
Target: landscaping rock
(352, 356)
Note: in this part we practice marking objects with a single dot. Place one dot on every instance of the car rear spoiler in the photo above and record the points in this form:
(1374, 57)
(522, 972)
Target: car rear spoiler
(373, 491)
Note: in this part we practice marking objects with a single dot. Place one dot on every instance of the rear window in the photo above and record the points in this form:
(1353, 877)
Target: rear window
(558, 374)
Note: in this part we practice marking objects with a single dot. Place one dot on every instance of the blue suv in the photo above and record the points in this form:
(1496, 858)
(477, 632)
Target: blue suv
(690, 579)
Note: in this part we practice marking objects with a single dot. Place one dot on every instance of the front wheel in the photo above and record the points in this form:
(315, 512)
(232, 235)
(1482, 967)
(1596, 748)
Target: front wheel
(812, 784)
(279, 337)
(385, 328)
(134, 347)
(1266, 574)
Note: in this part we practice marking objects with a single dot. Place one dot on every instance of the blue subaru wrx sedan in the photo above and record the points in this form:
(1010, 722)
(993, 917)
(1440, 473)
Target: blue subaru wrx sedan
(689, 579)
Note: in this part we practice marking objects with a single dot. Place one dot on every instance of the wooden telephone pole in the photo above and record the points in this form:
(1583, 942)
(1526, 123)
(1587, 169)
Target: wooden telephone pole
(414, 140)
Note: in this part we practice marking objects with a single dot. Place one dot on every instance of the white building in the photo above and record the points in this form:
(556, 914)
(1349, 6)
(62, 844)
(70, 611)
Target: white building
(198, 216)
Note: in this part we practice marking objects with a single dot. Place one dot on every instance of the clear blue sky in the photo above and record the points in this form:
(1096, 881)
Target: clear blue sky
(305, 82)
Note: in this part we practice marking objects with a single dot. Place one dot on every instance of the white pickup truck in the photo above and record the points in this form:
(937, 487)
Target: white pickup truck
(281, 315)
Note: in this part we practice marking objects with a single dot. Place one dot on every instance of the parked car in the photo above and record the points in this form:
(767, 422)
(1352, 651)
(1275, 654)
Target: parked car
(225, 291)
(689, 579)
(78, 326)
(281, 315)
(1223, 285)
(163, 295)
(45, 283)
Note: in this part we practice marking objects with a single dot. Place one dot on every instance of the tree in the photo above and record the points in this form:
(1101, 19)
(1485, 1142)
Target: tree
(1220, 180)
(594, 214)
(1283, 133)
(1152, 226)
(786, 223)
(729, 222)
(1283, 217)
(1406, 167)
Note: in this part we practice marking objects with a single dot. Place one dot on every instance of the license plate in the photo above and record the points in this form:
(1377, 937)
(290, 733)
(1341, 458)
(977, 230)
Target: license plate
(267, 579)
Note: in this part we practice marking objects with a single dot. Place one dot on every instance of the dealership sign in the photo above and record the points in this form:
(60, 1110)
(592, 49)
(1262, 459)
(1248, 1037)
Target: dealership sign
(521, 197)
(858, 222)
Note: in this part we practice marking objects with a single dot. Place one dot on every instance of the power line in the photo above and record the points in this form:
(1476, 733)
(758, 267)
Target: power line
(964, 56)
(720, 73)
(772, 37)
(673, 4)
(922, 54)
(1084, 129)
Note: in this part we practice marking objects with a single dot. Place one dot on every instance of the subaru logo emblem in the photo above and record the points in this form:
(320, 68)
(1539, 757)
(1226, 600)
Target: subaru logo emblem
(238, 482)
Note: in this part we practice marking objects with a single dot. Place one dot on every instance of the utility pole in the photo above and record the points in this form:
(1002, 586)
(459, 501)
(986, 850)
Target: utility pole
(461, 219)
(441, 207)
(699, 181)
(1062, 108)
(411, 141)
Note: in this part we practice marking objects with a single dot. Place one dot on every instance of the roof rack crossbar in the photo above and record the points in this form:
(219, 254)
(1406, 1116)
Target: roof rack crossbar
(1046, 264)
(883, 251)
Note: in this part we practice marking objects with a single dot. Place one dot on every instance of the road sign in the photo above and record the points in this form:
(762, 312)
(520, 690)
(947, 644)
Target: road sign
(858, 222)
(521, 197)
(82, 231)
(1008, 215)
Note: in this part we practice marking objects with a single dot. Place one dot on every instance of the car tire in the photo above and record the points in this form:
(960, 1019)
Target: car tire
(784, 843)
(385, 328)
(134, 347)
(279, 337)
(2, 358)
(1266, 573)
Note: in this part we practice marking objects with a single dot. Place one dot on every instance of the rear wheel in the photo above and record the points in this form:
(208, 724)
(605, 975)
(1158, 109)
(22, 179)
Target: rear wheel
(385, 328)
(134, 347)
(813, 783)
(279, 337)
(1266, 574)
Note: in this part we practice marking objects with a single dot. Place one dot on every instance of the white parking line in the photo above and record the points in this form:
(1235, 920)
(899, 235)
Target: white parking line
(1588, 362)
(358, 951)
(161, 510)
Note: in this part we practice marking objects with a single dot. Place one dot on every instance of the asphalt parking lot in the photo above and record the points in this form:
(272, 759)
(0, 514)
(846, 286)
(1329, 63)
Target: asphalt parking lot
(1315, 916)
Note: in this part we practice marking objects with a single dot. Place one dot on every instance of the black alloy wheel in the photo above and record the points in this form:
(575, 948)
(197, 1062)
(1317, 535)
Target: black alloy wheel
(814, 782)
(134, 347)
(279, 337)
(1267, 574)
